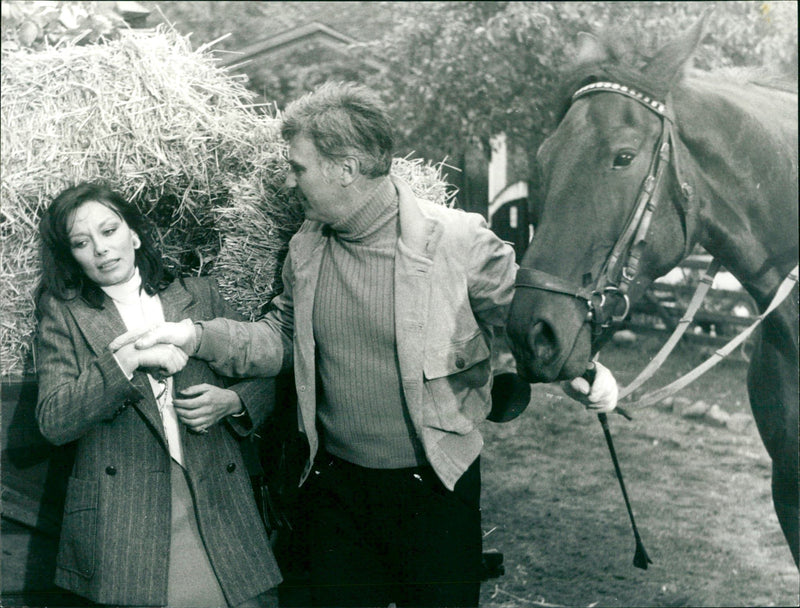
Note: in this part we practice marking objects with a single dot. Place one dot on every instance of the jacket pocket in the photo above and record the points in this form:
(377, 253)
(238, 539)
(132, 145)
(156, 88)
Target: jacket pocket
(76, 551)
(457, 383)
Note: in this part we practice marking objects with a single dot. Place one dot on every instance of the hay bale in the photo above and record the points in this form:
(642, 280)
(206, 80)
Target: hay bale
(170, 130)
(163, 124)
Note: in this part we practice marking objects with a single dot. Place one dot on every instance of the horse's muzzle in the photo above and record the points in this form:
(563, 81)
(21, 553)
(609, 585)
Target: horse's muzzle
(547, 349)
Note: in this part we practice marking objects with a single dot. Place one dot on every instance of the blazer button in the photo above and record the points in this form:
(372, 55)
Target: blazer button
(460, 363)
(231, 467)
(128, 402)
(111, 470)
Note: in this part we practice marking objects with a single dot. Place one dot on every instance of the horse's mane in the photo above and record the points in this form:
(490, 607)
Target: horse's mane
(755, 76)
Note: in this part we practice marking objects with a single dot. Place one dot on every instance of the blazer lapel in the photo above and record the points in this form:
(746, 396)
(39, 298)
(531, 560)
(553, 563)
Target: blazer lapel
(174, 301)
(419, 237)
(99, 327)
(307, 247)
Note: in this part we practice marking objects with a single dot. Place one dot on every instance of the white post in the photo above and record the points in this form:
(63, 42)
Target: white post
(498, 165)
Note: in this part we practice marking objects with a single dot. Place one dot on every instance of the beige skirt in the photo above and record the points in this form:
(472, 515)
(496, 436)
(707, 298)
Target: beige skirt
(192, 582)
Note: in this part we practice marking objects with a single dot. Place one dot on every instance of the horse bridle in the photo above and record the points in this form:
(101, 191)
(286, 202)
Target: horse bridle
(610, 291)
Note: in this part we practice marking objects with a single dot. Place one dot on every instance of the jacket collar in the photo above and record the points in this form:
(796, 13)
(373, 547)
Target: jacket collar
(419, 232)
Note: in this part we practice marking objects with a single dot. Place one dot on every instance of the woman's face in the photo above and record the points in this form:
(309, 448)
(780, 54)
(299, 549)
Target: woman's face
(102, 243)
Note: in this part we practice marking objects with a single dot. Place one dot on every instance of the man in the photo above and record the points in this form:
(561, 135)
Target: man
(386, 317)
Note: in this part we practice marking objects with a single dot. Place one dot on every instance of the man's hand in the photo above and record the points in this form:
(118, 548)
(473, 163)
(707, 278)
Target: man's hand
(182, 334)
(601, 396)
(203, 405)
(161, 360)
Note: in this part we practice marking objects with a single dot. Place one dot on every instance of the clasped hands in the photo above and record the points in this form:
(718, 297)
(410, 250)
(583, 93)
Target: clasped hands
(164, 351)
(179, 339)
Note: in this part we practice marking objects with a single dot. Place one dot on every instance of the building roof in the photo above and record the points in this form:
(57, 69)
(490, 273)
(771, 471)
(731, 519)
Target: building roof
(297, 37)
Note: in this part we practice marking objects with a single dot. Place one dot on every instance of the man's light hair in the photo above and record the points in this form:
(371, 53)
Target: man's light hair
(344, 119)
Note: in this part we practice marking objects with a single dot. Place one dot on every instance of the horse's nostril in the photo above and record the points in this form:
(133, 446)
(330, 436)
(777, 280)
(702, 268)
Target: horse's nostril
(542, 343)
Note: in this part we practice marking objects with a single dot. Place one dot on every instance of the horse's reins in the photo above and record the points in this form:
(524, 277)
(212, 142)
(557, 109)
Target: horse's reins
(784, 289)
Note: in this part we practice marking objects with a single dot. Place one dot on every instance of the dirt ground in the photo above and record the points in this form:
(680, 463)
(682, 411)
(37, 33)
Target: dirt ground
(700, 494)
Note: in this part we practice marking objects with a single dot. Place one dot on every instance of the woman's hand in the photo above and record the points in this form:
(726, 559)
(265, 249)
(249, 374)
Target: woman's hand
(599, 397)
(203, 405)
(161, 360)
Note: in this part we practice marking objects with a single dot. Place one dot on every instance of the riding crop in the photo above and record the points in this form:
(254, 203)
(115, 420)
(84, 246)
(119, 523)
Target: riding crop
(640, 557)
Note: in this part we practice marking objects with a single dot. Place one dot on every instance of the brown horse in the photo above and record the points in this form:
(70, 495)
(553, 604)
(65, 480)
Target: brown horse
(645, 164)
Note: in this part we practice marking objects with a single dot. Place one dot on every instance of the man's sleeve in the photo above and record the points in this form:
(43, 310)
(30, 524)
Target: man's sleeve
(492, 271)
(258, 348)
(257, 395)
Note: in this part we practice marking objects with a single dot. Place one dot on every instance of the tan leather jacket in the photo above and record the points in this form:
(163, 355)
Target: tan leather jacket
(454, 280)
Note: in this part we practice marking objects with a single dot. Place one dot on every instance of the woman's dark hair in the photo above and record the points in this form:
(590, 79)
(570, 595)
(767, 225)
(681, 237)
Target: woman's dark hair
(62, 275)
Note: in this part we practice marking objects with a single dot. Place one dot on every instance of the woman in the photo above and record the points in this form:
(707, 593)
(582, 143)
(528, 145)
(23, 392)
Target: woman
(159, 507)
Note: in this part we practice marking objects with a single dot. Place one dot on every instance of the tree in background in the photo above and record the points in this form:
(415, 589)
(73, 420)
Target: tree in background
(35, 24)
(285, 75)
(456, 73)
(249, 21)
(464, 71)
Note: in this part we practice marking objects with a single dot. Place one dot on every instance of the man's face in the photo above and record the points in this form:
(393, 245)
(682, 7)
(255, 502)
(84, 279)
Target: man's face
(322, 197)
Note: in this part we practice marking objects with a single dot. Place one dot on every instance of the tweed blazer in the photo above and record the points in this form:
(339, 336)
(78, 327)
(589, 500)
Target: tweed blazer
(114, 546)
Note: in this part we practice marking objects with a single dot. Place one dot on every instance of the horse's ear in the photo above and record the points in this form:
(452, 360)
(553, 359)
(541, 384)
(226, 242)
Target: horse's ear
(590, 49)
(674, 58)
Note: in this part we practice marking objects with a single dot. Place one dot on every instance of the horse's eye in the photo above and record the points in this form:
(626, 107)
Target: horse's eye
(623, 159)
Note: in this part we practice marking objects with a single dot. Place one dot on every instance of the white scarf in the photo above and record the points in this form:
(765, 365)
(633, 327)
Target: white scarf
(140, 311)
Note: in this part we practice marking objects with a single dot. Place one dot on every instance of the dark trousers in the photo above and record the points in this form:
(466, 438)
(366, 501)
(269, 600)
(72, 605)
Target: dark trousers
(378, 536)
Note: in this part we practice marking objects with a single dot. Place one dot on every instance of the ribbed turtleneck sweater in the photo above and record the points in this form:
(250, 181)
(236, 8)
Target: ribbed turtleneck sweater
(362, 411)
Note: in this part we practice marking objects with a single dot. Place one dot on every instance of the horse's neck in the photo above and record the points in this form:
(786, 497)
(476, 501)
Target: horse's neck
(743, 167)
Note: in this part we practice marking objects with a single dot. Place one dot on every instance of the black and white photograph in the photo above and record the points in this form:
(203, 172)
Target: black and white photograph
(399, 304)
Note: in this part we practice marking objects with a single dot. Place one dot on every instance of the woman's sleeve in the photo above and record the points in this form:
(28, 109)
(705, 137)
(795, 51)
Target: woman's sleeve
(74, 397)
